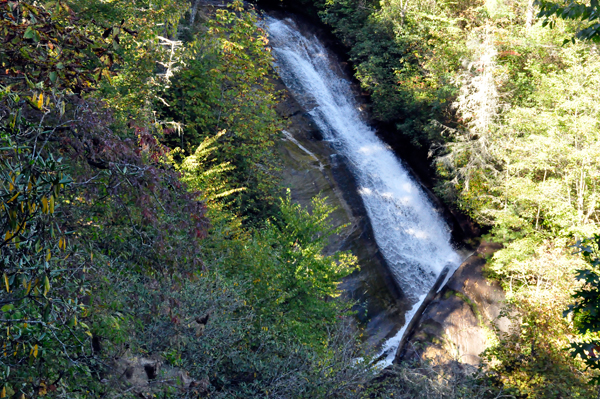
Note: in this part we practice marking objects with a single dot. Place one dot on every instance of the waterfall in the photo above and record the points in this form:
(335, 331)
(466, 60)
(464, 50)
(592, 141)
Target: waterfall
(413, 238)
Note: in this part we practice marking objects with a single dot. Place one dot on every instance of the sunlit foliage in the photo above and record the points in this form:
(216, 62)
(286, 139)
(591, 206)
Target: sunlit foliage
(509, 110)
(107, 253)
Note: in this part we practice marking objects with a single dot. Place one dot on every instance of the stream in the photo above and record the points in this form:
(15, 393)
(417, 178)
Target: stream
(413, 238)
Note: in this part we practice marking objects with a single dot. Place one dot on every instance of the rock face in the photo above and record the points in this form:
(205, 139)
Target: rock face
(147, 376)
(460, 321)
(311, 168)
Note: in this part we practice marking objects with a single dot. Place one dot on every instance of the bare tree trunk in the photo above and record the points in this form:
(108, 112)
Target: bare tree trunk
(403, 7)
(529, 19)
(194, 10)
(172, 46)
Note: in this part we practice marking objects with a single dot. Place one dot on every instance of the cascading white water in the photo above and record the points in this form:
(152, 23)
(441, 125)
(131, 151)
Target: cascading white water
(412, 237)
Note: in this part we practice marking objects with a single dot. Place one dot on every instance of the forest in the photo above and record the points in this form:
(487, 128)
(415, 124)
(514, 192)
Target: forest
(144, 223)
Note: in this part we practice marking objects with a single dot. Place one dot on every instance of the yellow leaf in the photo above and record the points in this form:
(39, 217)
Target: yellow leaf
(52, 204)
(28, 288)
(3, 392)
(89, 333)
(6, 282)
(14, 196)
(35, 350)
(42, 389)
(44, 204)
(48, 255)
(40, 101)
(46, 285)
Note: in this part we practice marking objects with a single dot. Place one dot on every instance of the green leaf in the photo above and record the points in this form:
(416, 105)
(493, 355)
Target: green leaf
(7, 308)
(29, 33)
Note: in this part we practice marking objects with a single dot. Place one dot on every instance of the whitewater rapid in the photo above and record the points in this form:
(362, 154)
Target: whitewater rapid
(413, 238)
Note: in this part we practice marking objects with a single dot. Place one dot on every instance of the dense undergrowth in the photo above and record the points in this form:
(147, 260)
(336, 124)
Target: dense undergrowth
(140, 217)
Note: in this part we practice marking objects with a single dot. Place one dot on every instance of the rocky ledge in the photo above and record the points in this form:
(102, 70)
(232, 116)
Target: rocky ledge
(461, 320)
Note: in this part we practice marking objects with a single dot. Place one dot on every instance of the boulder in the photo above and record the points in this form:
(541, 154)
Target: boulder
(460, 322)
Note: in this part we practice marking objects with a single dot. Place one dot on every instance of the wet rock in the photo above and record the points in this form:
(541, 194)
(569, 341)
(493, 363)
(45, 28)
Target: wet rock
(460, 322)
(310, 167)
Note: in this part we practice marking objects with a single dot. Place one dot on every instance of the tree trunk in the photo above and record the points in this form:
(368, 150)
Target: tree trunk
(194, 10)
(529, 19)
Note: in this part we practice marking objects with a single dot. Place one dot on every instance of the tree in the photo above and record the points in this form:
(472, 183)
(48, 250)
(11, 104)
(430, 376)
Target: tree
(294, 283)
(62, 166)
(574, 10)
(471, 154)
(47, 56)
(586, 309)
(226, 87)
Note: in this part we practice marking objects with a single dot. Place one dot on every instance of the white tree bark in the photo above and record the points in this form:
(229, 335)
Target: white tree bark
(171, 46)
(530, 15)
